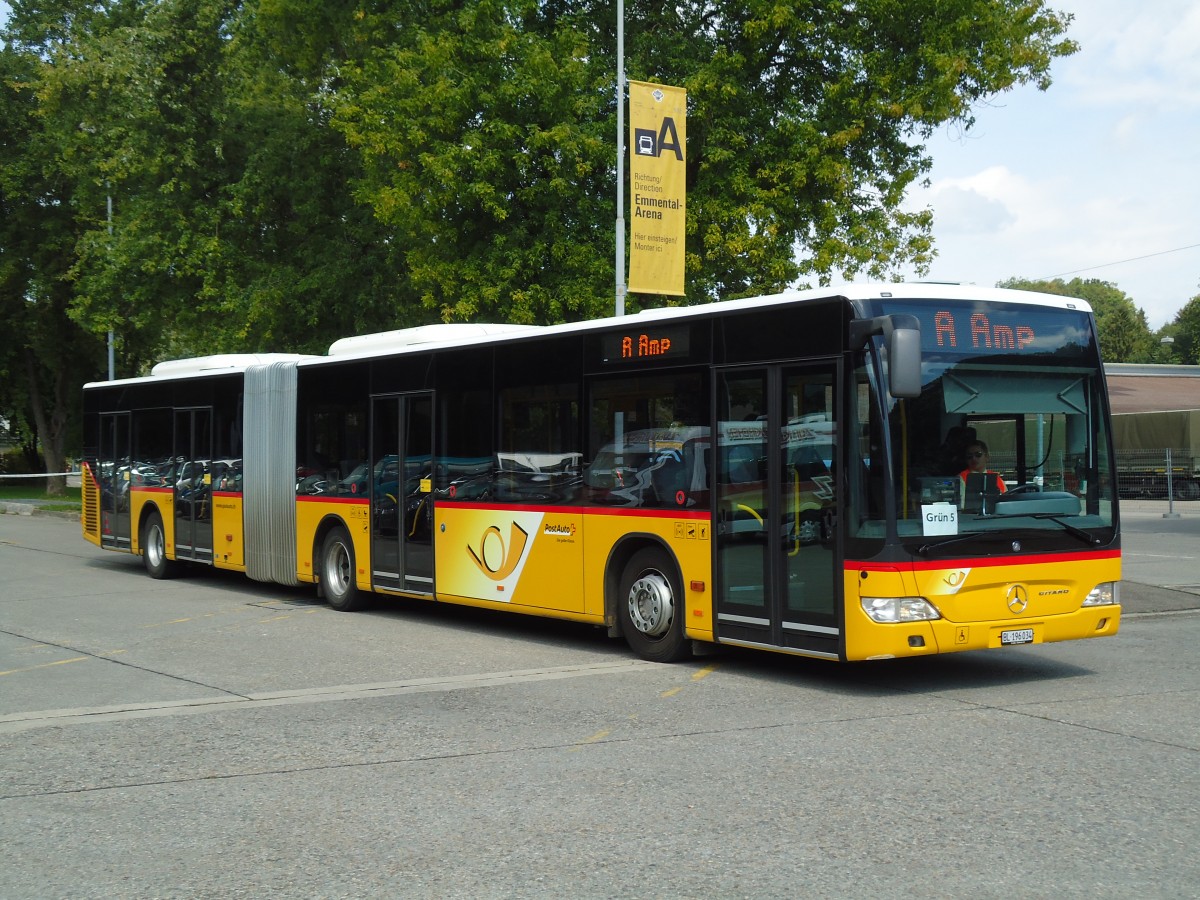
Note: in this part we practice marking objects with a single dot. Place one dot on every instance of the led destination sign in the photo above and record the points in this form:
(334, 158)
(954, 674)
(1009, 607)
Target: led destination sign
(651, 344)
(983, 334)
(949, 327)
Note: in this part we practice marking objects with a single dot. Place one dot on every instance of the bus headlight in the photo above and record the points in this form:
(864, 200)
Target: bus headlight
(899, 609)
(1103, 594)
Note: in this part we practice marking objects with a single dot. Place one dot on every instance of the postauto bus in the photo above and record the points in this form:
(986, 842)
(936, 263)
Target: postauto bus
(784, 472)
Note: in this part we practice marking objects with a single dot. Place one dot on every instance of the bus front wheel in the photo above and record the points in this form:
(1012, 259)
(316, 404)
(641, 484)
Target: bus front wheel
(337, 572)
(154, 548)
(650, 607)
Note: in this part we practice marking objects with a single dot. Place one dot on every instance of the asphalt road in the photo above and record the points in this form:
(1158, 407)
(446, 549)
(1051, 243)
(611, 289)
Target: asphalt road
(215, 737)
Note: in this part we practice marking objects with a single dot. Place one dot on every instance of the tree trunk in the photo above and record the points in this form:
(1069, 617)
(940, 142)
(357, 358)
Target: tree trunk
(51, 424)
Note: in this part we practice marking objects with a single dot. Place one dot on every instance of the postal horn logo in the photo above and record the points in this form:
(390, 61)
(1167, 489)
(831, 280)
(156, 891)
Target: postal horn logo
(496, 558)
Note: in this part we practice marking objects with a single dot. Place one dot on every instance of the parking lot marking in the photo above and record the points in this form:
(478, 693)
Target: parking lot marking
(61, 662)
(26, 721)
(598, 736)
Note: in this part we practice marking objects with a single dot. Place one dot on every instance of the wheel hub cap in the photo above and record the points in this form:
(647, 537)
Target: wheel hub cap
(650, 604)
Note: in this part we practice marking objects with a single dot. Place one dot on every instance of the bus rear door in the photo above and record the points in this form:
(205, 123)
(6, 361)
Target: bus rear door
(193, 484)
(114, 478)
(401, 498)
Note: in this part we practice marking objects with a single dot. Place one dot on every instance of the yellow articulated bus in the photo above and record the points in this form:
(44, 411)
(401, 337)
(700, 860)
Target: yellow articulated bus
(855, 473)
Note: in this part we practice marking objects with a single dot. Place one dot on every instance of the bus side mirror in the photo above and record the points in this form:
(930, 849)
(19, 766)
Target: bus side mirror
(904, 362)
(902, 333)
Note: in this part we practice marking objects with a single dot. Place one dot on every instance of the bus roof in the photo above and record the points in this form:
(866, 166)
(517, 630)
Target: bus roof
(422, 335)
(446, 336)
(449, 335)
(220, 364)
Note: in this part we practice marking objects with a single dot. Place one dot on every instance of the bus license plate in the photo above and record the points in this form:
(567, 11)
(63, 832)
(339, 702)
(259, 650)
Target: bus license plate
(1017, 636)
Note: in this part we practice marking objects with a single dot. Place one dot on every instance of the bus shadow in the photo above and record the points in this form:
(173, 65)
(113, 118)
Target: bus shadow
(201, 576)
(470, 620)
(924, 675)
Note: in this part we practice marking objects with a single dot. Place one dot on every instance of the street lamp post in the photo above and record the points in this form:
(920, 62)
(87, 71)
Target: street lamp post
(620, 263)
(112, 367)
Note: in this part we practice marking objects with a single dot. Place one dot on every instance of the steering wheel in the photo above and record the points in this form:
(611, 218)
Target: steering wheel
(1027, 488)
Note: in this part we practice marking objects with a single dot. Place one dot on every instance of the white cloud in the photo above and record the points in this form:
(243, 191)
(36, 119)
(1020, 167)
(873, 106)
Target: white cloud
(968, 211)
(1140, 53)
(1098, 170)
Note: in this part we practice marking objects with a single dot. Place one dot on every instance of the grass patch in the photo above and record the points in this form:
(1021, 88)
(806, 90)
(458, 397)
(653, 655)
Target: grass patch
(33, 490)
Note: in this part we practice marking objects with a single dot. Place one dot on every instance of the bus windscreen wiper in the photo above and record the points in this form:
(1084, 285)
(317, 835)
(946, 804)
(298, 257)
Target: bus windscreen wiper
(1073, 530)
(925, 548)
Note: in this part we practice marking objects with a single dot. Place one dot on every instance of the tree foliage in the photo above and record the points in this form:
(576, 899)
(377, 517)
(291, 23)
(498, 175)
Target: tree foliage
(286, 172)
(1185, 331)
(44, 355)
(1125, 335)
(487, 129)
(234, 227)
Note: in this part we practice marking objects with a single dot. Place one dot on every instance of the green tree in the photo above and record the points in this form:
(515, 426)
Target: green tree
(234, 225)
(1186, 330)
(285, 172)
(486, 132)
(1125, 335)
(44, 355)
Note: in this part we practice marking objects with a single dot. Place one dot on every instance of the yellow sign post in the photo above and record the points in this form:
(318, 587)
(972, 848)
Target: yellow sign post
(658, 187)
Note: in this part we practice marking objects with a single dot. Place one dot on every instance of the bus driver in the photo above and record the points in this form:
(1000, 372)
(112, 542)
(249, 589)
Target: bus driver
(977, 461)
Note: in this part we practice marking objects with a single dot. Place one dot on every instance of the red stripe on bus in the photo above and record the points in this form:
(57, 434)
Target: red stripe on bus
(982, 561)
(583, 510)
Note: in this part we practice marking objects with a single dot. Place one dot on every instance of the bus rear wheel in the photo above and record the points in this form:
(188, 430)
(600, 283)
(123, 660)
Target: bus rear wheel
(154, 548)
(337, 573)
(650, 607)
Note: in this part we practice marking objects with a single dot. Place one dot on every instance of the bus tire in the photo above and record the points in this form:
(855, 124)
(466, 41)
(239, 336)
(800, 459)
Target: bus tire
(650, 607)
(153, 541)
(337, 573)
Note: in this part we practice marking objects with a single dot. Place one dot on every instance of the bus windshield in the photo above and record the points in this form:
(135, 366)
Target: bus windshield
(1006, 446)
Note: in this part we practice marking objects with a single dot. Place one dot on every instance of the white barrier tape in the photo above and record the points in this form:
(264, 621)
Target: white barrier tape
(45, 475)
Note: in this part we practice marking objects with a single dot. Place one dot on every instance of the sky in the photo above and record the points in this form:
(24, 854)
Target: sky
(1097, 177)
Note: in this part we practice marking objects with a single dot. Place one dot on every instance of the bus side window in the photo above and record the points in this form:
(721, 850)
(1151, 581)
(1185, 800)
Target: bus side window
(538, 459)
(642, 439)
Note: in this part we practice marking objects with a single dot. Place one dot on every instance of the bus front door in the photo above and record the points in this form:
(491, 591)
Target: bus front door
(401, 498)
(192, 486)
(114, 478)
(777, 552)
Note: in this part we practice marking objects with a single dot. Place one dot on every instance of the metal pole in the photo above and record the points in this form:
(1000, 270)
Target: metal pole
(1041, 440)
(112, 366)
(1170, 513)
(620, 305)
